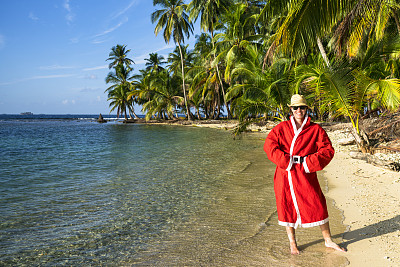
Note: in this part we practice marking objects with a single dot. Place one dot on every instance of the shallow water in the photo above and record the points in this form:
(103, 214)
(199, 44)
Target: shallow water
(82, 193)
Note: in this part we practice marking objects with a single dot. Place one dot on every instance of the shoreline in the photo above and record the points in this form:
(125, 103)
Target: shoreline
(367, 195)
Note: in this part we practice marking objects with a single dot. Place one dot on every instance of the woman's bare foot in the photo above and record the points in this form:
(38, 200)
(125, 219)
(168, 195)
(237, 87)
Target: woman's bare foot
(293, 248)
(331, 244)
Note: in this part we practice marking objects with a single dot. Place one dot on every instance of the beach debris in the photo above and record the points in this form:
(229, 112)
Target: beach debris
(391, 165)
(101, 119)
(346, 141)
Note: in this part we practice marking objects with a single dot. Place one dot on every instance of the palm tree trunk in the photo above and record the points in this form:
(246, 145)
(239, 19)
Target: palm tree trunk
(183, 84)
(323, 53)
(219, 77)
(132, 112)
(125, 113)
(396, 18)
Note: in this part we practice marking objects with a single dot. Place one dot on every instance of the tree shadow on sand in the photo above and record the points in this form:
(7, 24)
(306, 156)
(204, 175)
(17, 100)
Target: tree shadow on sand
(370, 231)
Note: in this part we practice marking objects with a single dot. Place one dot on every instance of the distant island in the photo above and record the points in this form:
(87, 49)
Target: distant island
(26, 113)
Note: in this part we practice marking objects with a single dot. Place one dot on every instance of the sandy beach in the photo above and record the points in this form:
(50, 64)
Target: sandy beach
(369, 198)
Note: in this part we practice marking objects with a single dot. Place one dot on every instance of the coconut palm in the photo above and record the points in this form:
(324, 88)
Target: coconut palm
(210, 11)
(261, 92)
(175, 22)
(154, 62)
(119, 90)
(176, 57)
(205, 83)
(162, 94)
(306, 23)
(367, 18)
(118, 56)
(237, 32)
(347, 88)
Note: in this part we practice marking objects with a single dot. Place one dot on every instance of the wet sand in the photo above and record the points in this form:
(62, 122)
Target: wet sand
(239, 225)
(369, 199)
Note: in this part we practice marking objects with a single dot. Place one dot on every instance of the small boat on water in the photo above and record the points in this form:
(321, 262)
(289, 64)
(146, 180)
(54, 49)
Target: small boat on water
(26, 113)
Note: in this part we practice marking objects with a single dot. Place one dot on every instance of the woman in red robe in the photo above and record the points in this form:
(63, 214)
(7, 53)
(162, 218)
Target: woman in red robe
(300, 148)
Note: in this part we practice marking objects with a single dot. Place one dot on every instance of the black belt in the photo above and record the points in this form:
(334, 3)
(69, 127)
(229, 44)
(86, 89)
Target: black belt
(298, 159)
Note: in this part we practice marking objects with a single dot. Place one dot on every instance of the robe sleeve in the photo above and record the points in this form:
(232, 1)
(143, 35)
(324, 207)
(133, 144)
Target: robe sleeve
(324, 154)
(273, 150)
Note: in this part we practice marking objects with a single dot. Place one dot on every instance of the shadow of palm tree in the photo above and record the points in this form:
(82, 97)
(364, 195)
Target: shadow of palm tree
(370, 231)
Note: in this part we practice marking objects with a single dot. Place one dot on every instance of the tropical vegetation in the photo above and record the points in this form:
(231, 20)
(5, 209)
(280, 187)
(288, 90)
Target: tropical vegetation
(251, 56)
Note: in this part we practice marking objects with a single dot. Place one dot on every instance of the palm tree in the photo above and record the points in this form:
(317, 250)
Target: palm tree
(237, 32)
(347, 88)
(261, 92)
(306, 22)
(154, 62)
(367, 18)
(176, 57)
(164, 96)
(119, 90)
(210, 11)
(119, 101)
(118, 56)
(205, 83)
(175, 22)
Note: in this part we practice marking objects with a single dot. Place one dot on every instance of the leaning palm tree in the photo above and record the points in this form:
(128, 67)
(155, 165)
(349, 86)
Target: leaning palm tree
(305, 24)
(367, 18)
(118, 56)
(175, 22)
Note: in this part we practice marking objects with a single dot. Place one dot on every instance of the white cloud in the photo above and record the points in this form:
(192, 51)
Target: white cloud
(90, 76)
(88, 90)
(39, 78)
(67, 6)
(56, 67)
(96, 68)
(167, 46)
(74, 40)
(140, 59)
(70, 16)
(125, 9)
(66, 102)
(33, 16)
(112, 28)
(99, 41)
(98, 98)
(50, 76)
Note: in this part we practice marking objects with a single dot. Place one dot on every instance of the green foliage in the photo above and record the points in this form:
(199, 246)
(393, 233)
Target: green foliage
(344, 56)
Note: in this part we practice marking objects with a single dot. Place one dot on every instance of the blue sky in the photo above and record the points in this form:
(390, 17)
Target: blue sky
(53, 52)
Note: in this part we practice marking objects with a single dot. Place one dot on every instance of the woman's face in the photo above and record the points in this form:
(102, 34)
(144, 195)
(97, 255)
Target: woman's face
(299, 112)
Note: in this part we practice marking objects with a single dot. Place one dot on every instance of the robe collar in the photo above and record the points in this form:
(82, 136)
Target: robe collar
(295, 130)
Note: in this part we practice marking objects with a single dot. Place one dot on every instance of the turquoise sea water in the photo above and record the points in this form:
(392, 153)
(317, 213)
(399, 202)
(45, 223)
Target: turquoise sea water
(77, 193)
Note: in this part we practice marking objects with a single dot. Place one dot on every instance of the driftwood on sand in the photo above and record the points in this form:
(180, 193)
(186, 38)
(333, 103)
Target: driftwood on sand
(391, 165)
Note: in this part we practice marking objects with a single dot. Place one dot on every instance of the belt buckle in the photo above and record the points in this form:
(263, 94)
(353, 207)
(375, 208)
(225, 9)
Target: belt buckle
(296, 159)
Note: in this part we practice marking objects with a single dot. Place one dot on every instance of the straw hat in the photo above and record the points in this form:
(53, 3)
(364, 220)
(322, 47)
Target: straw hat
(298, 100)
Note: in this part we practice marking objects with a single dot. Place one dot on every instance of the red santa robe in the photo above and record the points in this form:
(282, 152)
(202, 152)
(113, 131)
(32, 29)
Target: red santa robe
(299, 198)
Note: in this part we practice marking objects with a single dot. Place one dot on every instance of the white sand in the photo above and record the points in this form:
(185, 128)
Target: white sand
(370, 199)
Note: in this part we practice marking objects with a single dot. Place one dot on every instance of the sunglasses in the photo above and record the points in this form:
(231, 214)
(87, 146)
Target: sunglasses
(301, 107)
